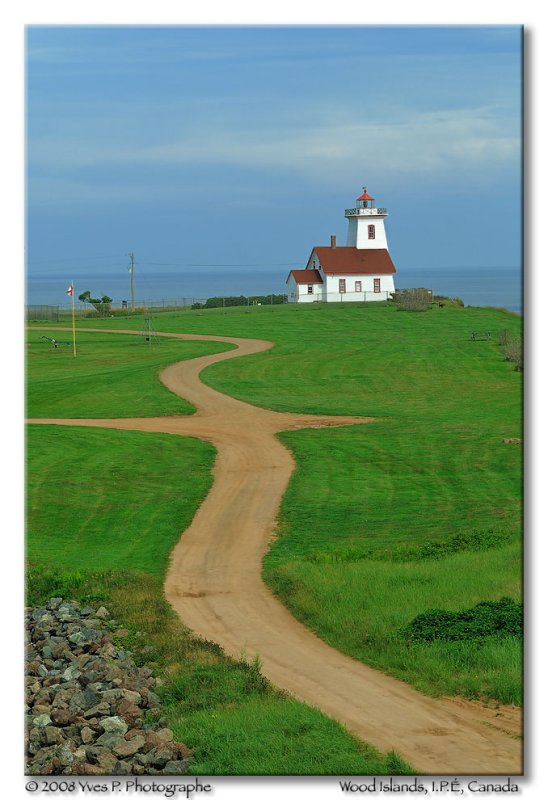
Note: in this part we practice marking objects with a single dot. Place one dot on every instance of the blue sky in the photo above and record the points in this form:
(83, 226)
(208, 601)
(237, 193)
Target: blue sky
(243, 145)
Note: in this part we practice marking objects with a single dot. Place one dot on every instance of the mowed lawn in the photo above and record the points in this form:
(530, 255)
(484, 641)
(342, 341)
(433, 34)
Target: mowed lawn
(111, 376)
(106, 497)
(432, 467)
(104, 509)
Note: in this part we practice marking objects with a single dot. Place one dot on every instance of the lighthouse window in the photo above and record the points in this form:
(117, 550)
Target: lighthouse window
(371, 231)
(342, 285)
(310, 289)
(376, 284)
(358, 286)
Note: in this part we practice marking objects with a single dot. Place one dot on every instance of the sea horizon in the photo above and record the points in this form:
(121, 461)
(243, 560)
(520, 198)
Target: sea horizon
(496, 287)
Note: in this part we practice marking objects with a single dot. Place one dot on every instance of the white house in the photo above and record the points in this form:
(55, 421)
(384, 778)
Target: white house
(361, 271)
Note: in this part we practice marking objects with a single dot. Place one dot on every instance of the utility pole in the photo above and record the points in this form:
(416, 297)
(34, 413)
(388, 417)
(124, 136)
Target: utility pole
(132, 270)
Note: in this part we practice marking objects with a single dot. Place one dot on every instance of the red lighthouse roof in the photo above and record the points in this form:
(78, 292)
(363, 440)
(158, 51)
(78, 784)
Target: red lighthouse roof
(365, 196)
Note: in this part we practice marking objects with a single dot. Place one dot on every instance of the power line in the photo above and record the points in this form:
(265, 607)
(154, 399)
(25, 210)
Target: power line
(57, 260)
(193, 264)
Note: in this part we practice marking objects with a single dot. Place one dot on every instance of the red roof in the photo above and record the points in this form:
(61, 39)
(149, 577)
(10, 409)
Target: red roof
(351, 261)
(306, 276)
(365, 196)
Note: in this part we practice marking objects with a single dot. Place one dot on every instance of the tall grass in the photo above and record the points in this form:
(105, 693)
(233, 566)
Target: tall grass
(362, 607)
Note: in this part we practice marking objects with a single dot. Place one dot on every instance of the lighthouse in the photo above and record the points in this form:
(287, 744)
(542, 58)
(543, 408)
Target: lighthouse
(366, 224)
(361, 272)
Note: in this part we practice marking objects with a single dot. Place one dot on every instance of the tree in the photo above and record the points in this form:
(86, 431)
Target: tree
(100, 304)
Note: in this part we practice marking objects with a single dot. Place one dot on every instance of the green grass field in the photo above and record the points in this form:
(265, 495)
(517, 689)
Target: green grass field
(111, 376)
(104, 509)
(432, 467)
(106, 497)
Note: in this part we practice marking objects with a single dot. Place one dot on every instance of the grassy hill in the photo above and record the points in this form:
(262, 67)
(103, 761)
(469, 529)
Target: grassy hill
(104, 509)
(367, 507)
(433, 467)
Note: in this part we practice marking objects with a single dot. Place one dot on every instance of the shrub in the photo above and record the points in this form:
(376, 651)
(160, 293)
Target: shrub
(100, 304)
(241, 300)
(413, 299)
(504, 337)
(513, 351)
(448, 301)
(502, 617)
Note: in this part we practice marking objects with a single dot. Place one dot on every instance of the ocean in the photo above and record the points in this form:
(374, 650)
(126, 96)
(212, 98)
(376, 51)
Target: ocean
(490, 287)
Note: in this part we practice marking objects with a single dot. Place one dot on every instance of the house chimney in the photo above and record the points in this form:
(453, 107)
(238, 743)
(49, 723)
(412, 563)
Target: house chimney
(333, 241)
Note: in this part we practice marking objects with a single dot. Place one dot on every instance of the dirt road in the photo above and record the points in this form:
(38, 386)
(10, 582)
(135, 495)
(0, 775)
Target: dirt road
(214, 583)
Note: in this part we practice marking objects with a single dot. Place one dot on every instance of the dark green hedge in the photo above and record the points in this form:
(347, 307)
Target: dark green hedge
(502, 617)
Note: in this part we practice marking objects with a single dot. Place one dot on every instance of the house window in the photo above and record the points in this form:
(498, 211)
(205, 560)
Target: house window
(310, 289)
(342, 285)
(371, 231)
(376, 284)
(358, 286)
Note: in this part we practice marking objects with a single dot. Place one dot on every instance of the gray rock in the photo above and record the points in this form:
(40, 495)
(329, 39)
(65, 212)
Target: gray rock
(108, 763)
(87, 735)
(45, 622)
(85, 699)
(82, 695)
(112, 695)
(41, 721)
(109, 740)
(176, 767)
(159, 758)
(129, 747)
(114, 725)
(102, 709)
(61, 716)
(71, 673)
(41, 708)
(133, 697)
(53, 735)
(121, 768)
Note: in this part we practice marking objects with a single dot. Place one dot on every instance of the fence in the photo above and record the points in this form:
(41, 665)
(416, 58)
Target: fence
(42, 313)
(123, 307)
(355, 297)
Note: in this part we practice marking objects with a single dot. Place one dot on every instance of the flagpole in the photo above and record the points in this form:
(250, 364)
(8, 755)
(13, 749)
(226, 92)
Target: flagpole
(73, 322)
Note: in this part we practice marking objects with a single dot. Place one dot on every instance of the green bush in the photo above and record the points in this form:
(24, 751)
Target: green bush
(502, 617)
(413, 299)
(241, 300)
(473, 541)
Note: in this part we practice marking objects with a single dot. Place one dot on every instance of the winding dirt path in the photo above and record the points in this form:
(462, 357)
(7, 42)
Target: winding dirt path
(214, 584)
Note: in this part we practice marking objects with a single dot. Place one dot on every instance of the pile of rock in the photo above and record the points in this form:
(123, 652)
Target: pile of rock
(90, 709)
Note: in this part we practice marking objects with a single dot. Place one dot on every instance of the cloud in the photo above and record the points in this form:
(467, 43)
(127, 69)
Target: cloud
(434, 145)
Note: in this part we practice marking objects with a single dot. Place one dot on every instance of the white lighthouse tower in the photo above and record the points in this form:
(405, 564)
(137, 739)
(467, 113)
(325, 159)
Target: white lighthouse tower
(366, 224)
